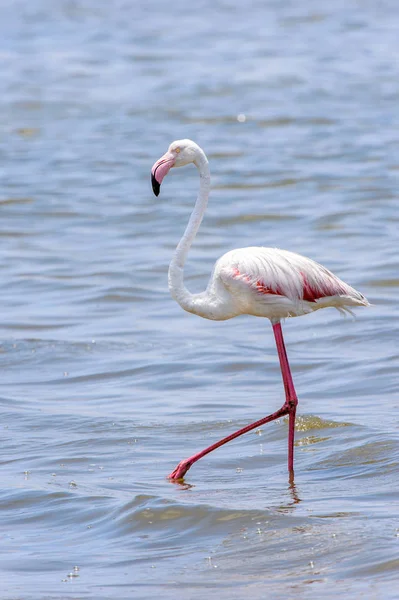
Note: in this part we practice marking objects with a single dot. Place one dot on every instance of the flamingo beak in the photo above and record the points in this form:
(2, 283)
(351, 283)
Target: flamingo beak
(160, 169)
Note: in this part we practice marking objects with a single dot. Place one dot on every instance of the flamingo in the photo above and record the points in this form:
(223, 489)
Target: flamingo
(264, 282)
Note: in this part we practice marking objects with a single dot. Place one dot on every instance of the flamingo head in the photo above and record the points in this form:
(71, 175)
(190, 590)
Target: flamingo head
(179, 154)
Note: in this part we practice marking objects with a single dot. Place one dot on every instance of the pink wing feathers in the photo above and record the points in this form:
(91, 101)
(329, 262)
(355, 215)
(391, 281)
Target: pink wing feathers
(268, 272)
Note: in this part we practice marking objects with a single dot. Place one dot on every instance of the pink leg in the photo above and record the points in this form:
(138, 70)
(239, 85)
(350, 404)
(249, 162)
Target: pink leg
(289, 408)
(291, 399)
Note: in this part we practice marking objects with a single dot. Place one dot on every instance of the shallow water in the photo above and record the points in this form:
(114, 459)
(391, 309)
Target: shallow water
(106, 383)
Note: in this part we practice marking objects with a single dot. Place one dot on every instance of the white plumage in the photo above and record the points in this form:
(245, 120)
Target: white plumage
(273, 283)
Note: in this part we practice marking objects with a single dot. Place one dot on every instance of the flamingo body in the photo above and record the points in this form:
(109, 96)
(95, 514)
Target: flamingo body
(271, 283)
(258, 281)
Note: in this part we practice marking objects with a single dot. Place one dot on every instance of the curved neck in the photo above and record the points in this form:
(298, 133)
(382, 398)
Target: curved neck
(176, 268)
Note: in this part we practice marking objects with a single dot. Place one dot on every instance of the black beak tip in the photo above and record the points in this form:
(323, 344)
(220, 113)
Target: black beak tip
(155, 185)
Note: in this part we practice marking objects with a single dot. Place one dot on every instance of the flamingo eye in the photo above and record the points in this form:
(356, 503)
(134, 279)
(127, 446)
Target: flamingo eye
(177, 150)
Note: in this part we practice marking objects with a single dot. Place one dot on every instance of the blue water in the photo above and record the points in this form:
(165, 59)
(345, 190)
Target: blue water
(106, 383)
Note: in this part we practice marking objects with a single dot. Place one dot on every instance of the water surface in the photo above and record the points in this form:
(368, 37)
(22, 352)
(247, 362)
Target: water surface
(106, 383)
